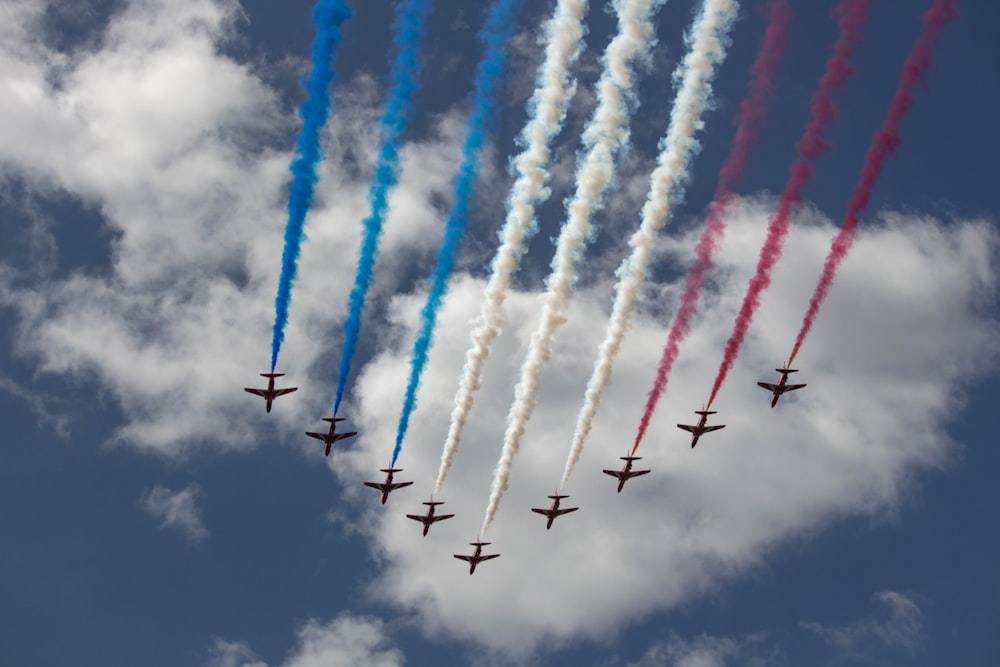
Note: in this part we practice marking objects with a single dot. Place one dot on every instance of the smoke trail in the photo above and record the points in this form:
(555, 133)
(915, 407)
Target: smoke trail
(606, 134)
(706, 50)
(498, 28)
(884, 144)
(753, 113)
(553, 91)
(409, 37)
(851, 15)
(327, 15)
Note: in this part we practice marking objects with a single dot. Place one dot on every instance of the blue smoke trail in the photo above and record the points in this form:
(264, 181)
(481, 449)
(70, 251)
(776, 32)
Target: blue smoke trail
(409, 28)
(496, 32)
(327, 15)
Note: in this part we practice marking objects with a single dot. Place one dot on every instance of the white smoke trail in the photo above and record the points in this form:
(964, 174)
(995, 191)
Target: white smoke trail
(553, 91)
(606, 134)
(707, 43)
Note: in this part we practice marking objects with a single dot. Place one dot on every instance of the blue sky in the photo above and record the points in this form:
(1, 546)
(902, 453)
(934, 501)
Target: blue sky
(153, 514)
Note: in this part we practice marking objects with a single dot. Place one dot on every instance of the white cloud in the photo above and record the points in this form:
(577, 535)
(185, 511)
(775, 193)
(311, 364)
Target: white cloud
(896, 626)
(232, 654)
(346, 641)
(708, 651)
(902, 334)
(162, 134)
(177, 510)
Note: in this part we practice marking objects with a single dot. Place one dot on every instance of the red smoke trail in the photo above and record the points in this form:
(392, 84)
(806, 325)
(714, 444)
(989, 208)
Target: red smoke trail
(851, 15)
(885, 143)
(753, 112)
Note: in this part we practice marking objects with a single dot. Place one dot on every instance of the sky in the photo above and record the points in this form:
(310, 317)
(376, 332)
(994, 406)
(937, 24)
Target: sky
(152, 512)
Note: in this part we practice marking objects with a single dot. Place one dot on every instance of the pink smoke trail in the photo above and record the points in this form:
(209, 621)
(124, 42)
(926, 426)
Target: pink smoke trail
(851, 15)
(753, 113)
(884, 144)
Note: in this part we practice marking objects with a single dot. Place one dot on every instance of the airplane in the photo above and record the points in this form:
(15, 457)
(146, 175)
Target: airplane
(701, 428)
(331, 436)
(626, 473)
(782, 386)
(388, 486)
(477, 557)
(554, 511)
(430, 517)
(270, 393)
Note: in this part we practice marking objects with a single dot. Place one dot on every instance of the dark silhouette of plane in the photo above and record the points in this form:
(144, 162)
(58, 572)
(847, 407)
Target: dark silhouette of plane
(388, 486)
(270, 393)
(626, 473)
(701, 428)
(782, 386)
(331, 436)
(430, 517)
(477, 557)
(554, 511)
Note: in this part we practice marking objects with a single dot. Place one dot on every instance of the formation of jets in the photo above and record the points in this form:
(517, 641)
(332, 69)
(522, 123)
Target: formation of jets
(331, 436)
(626, 473)
(554, 511)
(430, 517)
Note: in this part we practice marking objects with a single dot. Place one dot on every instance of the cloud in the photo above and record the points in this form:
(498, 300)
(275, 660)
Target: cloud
(232, 654)
(904, 332)
(895, 626)
(709, 651)
(346, 641)
(178, 510)
(166, 138)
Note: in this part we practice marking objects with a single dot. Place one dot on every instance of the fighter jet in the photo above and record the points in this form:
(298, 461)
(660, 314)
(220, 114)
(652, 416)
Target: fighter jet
(700, 428)
(388, 486)
(331, 436)
(270, 393)
(430, 517)
(477, 557)
(626, 473)
(554, 511)
(782, 386)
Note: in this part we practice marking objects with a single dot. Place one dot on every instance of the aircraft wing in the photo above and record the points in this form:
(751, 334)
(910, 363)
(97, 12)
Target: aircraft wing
(636, 473)
(687, 427)
(709, 429)
(560, 512)
(318, 436)
(614, 473)
(482, 558)
(441, 517)
(468, 559)
(375, 485)
(257, 392)
(794, 386)
(768, 386)
(282, 392)
(341, 436)
(398, 485)
(540, 511)
(416, 517)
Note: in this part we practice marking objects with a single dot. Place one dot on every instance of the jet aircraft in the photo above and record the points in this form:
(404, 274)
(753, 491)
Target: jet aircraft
(388, 486)
(626, 473)
(331, 436)
(430, 517)
(782, 386)
(701, 428)
(554, 511)
(270, 393)
(477, 557)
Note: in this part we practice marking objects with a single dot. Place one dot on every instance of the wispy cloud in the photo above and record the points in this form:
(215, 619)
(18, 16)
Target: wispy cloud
(895, 626)
(177, 510)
